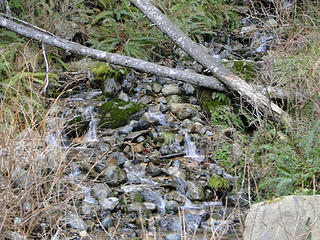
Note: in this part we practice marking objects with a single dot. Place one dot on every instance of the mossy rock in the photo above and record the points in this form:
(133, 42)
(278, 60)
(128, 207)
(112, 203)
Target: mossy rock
(218, 183)
(116, 113)
(76, 127)
(247, 69)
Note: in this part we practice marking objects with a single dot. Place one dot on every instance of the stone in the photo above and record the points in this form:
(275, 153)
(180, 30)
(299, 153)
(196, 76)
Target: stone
(109, 203)
(171, 89)
(120, 157)
(173, 236)
(107, 222)
(100, 191)
(172, 206)
(195, 191)
(116, 113)
(188, 88)
(271, 23)
(184, 110)
(123, 96)
(156, 87)
(126, 129)
(110, 87)
(248, 29)
(290, 217)
(113, 176)
(74, 221)
(146, 99)
(174, 99)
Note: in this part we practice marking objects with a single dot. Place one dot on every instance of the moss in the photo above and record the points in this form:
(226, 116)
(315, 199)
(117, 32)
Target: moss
(248, 70)
(137, 197)
(210, 101)
(217, 182)
(116, 113)
(76, 127)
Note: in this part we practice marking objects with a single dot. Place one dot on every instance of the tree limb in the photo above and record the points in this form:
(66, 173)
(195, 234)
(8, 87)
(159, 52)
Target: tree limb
(224, 75)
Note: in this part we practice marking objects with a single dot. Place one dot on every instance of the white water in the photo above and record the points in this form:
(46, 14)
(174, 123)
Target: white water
(92, 132)
(191, 149)
(158, 117)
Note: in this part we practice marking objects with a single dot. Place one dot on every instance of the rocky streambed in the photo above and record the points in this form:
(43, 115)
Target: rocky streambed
(143, 162)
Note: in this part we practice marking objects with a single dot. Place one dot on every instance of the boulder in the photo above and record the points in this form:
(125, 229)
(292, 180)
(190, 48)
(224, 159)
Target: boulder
(290, 217)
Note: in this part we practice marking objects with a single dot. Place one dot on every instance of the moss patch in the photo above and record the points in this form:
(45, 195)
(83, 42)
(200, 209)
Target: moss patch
(217, 182)
(116, 113)
(248, 70)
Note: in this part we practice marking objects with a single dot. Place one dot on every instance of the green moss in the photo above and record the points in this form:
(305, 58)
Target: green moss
(137, 197)
(210, 99)
(217, 182)
(116, 113)
(248, 70)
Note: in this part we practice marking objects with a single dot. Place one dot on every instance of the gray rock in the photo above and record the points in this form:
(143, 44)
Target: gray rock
(120, 157)
(156, 87)
(173, 236)
(150, 206)
(146, 99)
(171, 223)
(184, 110)
(271, 23)
(123, 96)
(100, 191)
(193, 100)
(109, 203)
(188, 88)
(153, 170)
(174, 99)
(107, 222)
(113, 176)
(171, 89)
(111, 87)
(290, 217)
(172, 206)
(126, 129)
(74, 221)
(154, 197)
(15, 236)
(195, 191)
(164, 107)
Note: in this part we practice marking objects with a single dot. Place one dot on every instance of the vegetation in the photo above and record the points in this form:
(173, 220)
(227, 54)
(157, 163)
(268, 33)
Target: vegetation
(277, 160)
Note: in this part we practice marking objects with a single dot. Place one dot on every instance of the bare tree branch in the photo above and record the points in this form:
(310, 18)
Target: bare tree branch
(224, 75)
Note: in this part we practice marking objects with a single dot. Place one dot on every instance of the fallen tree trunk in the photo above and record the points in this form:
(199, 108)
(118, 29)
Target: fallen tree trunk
(260, 102)
(140, 65)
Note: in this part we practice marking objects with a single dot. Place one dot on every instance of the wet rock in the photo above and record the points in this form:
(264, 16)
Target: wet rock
(126, 129)
(172, 206)
(153, 170)
(176, 196)
(113, 176)
(164, 107)
(120, 157)
(141, 125)
(171, 223)
(171, 89)
(100, 191)
(181, 185)
(188, 89)
(183, 110)
(135, 135)
(173, 236)
(146, 99)
(195, 191)
(150, 206)
(134, 188)
(107, 222)
(156, 87)
(290, 217)
(193, 221)
(154, 197)
(109, 203)
(188, 125)
(74, 221)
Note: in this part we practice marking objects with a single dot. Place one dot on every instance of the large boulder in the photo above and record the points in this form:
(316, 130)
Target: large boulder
(290, 217)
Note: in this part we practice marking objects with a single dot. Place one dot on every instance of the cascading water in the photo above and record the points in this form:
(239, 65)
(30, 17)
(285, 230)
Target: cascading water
(191, 149)
(92, 132)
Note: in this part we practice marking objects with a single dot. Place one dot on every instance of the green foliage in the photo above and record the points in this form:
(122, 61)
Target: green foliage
(217, 182)
(221, 98)
(222, 157)
(286, 167)
(224, 116)
(168, 137)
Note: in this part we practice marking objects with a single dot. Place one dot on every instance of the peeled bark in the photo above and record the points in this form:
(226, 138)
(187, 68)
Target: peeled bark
(224, 75)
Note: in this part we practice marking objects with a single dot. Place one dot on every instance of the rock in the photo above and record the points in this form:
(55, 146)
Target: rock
(113, 176)
(120, 157)
(150, 206)
(248, 29)
(15, 236)
(100, 191)
(171, 223)
(174, 99)
(74, 221)
(107, 222)
(135, 135)
(134, 188)
(181, 185)
(126, 129)
(271, 23)
(290, 217)
(172, 206)
(195, 191)
(156, 87)
(137, 148)
(188, 88)
(141, 125)
(116, 113)
(173, 236)
(145, 99)
(110, 87)
(154, 197)
(123, 96)
(153, 170)
(183, 110)
(171, 89)
(109, 203)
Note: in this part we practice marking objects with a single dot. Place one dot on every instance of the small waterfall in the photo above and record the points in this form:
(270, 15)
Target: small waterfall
(92, 132)
(158, 117)
(191, 149)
